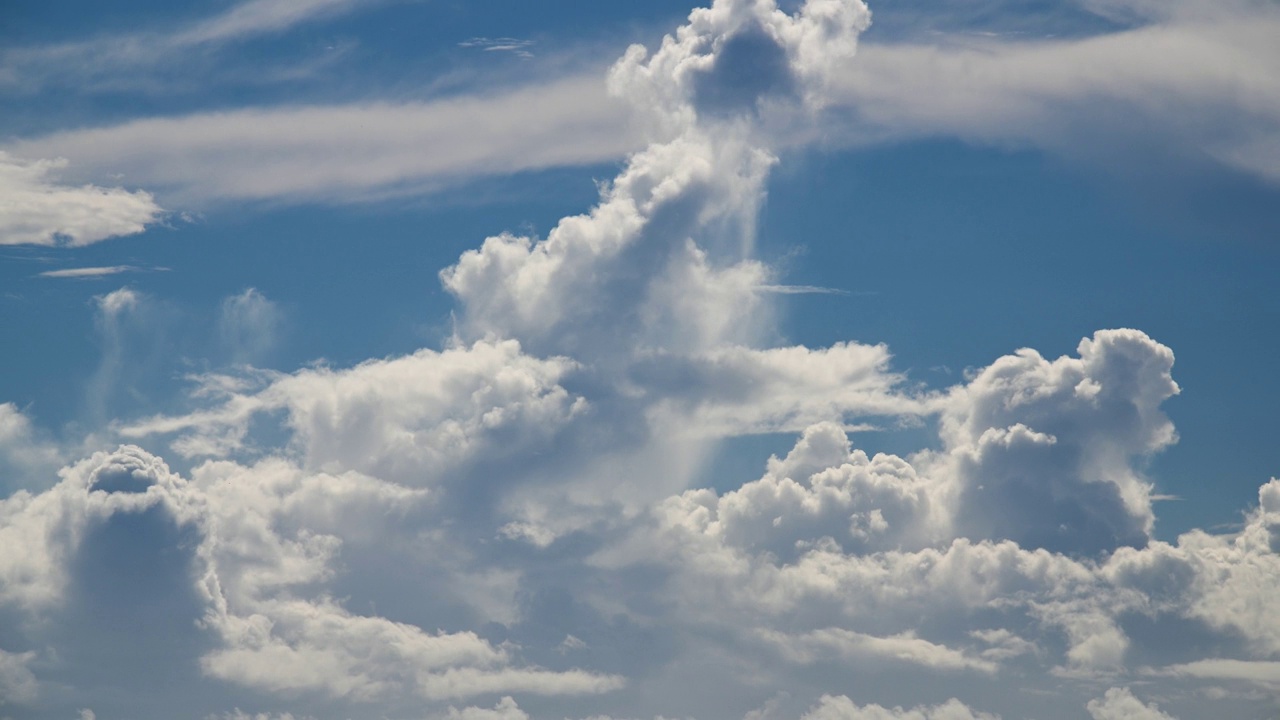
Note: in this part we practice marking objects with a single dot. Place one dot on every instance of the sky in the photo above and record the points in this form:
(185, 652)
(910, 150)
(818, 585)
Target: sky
(769, 360)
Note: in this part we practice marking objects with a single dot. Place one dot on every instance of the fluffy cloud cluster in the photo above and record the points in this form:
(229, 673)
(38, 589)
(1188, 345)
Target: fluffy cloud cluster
(511, 519)
(243, 555)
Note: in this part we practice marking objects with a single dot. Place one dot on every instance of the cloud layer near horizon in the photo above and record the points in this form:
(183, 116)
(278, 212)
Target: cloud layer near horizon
(511, 527)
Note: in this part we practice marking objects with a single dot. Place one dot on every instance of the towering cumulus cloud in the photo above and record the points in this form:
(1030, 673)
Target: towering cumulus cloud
(509, 526)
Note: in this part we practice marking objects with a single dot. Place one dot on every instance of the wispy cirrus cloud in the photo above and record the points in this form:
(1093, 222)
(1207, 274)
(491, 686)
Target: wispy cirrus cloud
(1204, 78)
(351, 152)
(84, 273)
(516, 46)
(116, 59)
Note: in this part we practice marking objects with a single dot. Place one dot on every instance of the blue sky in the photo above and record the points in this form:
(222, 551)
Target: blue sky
(409, 359)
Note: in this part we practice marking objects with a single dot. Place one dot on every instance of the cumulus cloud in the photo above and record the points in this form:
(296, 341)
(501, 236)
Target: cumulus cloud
(37, 209)
(417, 416)
(517, 513)
(1063, 437)
(1120, 704)
(262, 535)
(842, 708)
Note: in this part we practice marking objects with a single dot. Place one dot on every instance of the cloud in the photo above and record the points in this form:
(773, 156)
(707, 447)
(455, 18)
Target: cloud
(256, 17)
(842, 708)
(506, 709)
(239, 714)
(419, 415)
(516, 514)
(1071, 96)
(516, 46)
(1259, 672)
(1214, 102)
(260, 535)
(819, 645)
(134, 333)
(249, 325)
(1063, 437)
(350, 152)
(27, 454)
(1120, 704)
(36, 209)
(89, 272)
(18, 686)
(130, 59)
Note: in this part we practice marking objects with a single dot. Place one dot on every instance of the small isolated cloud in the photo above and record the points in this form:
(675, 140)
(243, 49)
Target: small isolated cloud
(89, 272)
(249, 325)
(800, 290)
(515, 46)
(36, 209)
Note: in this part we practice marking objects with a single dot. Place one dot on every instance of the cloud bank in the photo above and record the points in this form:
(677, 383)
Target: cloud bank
(511, 526)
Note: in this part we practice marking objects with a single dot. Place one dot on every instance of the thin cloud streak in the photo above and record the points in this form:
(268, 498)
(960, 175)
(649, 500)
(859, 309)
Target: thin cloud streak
(34, 67)
(89, 272)
(352, 152)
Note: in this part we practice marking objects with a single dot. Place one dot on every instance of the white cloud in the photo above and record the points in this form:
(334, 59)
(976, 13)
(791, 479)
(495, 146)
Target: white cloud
(519, 502)
(350, 152)
(27, 456)
(842, 708)
(506, 709)
(129, 59)
(37, 209)
(1215, 102)
(1259, 672)
(18, 684)
(1120, 704)
(1046, 453)
(410, 419)
(89, 272)
(249, 325)
(823, 645)
(266, 535)
(239, 714)
(1202, 77)
(255, 17)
